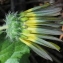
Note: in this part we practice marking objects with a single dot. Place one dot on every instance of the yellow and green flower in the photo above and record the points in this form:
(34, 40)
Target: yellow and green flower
(33, 26)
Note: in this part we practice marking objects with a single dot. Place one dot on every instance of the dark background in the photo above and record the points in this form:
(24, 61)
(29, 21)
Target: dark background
(21, 5)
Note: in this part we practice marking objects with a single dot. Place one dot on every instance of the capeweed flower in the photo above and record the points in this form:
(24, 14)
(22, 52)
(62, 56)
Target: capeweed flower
(33, 26)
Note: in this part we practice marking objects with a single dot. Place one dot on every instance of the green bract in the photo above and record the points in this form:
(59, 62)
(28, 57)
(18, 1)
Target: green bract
(14, 26)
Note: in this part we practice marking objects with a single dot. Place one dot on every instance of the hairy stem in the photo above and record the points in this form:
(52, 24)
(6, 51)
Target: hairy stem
(3, 27)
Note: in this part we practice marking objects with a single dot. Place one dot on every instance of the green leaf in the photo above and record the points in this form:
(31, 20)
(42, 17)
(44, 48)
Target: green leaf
(0, 32)
(25, 57)
(12, 61)
(11, 52)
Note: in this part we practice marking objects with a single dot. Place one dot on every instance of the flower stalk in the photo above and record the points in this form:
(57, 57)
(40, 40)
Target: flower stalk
(3, 27)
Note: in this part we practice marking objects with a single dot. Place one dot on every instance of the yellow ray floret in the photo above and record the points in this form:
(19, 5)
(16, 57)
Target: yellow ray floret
(41, 52)
(31, 22)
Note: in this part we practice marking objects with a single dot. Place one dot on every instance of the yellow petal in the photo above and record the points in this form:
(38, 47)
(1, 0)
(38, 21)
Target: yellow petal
(25, 41)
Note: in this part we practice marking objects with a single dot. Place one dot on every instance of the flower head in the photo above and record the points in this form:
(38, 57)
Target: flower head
(33, 26)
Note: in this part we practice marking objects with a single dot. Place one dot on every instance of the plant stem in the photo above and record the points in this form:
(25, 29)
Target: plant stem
(3, 27)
